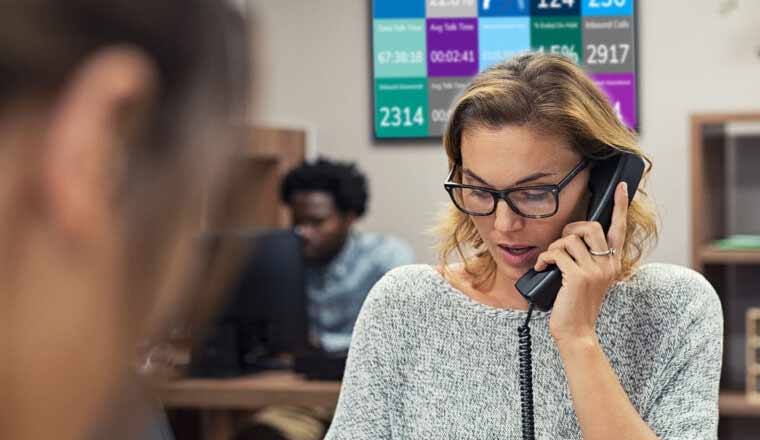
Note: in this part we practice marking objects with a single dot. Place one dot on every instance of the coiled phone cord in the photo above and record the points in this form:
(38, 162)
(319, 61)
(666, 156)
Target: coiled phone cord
(526, 377)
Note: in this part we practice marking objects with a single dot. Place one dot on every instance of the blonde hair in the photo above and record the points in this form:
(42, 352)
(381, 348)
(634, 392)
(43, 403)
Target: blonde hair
(551, 94)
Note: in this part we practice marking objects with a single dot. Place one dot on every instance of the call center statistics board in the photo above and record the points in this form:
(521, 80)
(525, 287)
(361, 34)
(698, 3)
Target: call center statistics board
(426, 51)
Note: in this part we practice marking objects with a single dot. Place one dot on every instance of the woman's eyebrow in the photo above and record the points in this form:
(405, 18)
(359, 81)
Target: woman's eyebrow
(526, 179)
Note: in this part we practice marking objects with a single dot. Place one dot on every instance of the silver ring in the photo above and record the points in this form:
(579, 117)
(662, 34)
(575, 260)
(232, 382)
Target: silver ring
(610, 251)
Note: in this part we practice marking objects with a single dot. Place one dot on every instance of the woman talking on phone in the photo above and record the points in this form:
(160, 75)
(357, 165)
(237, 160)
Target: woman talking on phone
(627, 351)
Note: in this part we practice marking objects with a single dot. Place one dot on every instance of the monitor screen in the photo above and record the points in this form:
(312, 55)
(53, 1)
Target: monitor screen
(264, 311)
(425, 52)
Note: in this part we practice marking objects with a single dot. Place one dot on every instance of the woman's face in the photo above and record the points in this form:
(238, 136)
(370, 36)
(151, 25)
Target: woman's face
(517, 155)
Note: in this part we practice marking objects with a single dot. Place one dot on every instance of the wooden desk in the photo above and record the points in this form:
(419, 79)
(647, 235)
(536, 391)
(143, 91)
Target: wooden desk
(220, 398)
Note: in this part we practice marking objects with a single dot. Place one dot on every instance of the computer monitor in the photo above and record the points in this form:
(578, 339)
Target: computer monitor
(265, 311)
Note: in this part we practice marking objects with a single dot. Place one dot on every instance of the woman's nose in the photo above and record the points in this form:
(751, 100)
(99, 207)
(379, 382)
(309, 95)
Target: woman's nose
(505, 219)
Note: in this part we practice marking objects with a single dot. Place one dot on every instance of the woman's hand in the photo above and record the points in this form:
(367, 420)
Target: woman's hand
(585, 277)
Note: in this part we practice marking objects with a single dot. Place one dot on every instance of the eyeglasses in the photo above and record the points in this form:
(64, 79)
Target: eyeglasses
(539, 201)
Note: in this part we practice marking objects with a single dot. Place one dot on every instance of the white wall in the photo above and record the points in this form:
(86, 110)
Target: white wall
(314, 70)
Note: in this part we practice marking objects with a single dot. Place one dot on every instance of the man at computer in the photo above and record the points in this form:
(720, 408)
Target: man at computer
(342, 263)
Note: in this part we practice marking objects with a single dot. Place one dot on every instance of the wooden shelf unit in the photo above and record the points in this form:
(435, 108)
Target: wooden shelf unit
(252, 197)
(712, 255)
(719, 208)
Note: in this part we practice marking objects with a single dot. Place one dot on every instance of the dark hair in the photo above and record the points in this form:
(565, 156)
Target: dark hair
(198, 50)
(346, 184)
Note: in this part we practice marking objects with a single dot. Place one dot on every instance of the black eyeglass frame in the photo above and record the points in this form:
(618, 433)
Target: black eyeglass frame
(504, 194)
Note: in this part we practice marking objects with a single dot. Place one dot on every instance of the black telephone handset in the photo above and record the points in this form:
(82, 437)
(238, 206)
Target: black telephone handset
(541, 288)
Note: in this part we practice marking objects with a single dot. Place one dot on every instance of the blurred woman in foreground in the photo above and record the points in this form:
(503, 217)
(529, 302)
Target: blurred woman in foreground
(114, 116)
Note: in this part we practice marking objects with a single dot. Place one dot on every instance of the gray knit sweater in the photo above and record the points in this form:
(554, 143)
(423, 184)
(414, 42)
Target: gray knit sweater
(428, 362)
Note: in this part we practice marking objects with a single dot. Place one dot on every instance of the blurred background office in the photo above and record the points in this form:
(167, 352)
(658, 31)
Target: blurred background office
(268, 360)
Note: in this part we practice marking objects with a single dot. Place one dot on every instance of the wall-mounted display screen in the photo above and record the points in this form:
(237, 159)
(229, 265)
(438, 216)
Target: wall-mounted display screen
(426, 51)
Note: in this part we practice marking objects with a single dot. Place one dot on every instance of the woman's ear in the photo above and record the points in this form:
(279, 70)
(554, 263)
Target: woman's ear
(99, 110)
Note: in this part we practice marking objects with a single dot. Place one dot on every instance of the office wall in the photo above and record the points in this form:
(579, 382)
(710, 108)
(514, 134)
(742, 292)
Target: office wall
(314, 71)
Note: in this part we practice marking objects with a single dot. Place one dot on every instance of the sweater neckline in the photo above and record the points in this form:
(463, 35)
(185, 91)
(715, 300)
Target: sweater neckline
(478, 307)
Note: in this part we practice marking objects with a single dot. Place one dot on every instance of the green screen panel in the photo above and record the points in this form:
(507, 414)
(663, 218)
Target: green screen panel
(401, 107)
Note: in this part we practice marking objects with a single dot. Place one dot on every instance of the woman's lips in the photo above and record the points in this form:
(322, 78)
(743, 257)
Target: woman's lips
(519, 255)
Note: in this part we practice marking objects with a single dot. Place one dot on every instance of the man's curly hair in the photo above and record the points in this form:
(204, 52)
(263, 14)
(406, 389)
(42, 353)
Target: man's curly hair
(346, 184)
